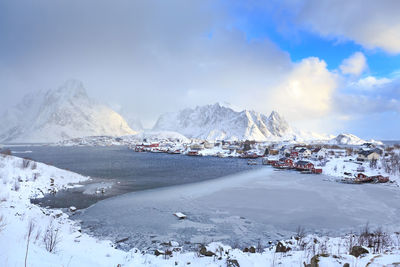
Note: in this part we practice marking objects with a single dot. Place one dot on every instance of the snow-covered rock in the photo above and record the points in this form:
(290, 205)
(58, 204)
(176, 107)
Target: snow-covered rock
(212, 122)
(59, 114)
(351, 139)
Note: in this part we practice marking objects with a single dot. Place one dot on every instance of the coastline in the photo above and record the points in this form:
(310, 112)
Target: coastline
(79, 249)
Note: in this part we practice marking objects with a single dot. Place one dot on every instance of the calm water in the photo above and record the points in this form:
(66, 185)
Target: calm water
(127, 170)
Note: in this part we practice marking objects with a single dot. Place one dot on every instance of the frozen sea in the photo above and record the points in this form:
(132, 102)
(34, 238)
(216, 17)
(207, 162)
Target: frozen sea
(224, 199)
(258, 206)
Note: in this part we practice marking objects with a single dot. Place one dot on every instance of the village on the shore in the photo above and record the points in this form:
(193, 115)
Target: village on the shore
(369, 162)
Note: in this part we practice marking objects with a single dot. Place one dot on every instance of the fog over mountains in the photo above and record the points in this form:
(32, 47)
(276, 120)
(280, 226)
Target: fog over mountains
(219, 122)
(58, 114)
(68, 112)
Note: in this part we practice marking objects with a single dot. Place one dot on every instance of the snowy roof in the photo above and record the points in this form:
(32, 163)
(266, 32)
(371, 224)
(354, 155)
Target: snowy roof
(366, 152)
(302, 162)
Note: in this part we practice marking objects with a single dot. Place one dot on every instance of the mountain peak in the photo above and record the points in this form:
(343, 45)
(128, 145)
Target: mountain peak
(217, 121)
(57, 114)
(275, 116)
(71, 88)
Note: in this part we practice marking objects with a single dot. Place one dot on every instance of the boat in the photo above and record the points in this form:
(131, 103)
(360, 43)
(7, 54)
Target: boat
(265, 161)
(180, 215)
(176, 151)
(317, 171)
(193, 153)
(252, 162)
(380, 179)
(249, 156)
(281, 167)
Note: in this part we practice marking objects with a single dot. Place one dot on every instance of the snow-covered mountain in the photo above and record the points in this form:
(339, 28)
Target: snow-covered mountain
(213, 122)
(63, 113)
(132, 119)
(351, 139)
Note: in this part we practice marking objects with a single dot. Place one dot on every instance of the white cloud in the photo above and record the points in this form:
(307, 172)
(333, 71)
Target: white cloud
(152, 57)
(371, 23)
(369, 95)
(354, 65)
(306, 92)
(370, 82)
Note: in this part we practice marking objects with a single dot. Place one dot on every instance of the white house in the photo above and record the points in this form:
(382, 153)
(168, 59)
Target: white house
(284, 150)
(319, 153)
(368, 155)
(304, 152)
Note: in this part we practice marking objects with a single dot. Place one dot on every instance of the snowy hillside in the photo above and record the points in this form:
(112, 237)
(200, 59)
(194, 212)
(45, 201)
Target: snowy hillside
(63, 113)
(26, 230)
(131, 118)
(351, 139)
(219, 122)
(158, 135)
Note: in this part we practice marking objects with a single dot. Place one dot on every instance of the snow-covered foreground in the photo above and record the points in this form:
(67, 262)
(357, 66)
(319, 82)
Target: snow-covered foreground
(21, 180)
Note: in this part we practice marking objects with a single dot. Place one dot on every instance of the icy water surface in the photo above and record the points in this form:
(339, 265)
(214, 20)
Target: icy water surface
(125, 170)
(244, 209)
(241, 208)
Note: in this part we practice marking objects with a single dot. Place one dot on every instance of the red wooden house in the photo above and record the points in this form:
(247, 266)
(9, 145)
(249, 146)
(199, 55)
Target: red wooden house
(304, 165)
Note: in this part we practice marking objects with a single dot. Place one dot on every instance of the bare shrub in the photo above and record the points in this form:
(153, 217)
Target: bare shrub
(25, 163)
(373, 163)
(51, 238)
(33, 165)
(16, 186)
(259, 247)
(365, 236)
(31, 228)
(381, 241)
(38, 234)
(377, 240)
(235, 244)
(2, 223)
(397, 236)
(300, 234)
(35, 176)
(323, 247)
(351, 241)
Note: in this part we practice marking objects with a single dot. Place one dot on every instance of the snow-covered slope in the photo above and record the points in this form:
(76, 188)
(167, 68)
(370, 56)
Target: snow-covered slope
(218, 122)
(351, 139)
(63, 113)
(22, 180)
(132, 119)
(159, 135)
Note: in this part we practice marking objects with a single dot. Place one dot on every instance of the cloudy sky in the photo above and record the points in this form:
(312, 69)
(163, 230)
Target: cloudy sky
(327, 66)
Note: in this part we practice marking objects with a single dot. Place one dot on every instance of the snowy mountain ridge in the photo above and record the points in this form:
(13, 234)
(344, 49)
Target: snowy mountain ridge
(58, 114)
(351, 139)
(213, 122)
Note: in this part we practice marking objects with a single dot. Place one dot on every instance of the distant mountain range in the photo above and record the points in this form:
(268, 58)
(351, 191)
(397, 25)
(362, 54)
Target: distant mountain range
(212, 122)
(351, 139)
(68, 112)
(59, 114)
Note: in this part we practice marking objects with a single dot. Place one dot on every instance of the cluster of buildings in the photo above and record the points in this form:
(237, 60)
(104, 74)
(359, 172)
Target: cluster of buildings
(306, 158)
